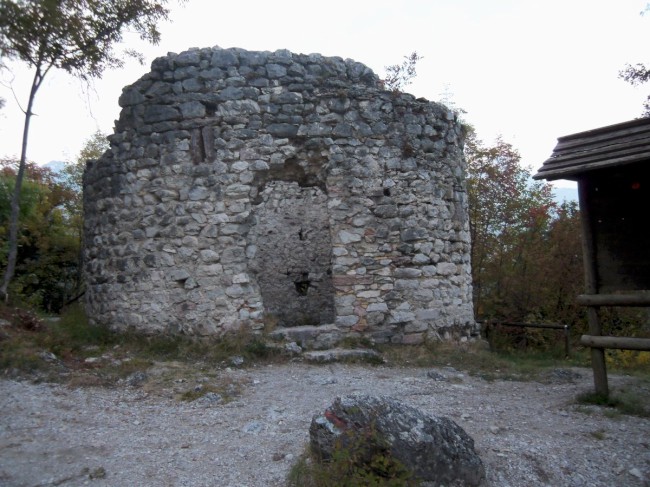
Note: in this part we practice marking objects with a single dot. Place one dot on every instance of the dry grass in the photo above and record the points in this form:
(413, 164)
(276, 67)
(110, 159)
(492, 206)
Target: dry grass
(476, 359)
(633, 399)
(73, 352)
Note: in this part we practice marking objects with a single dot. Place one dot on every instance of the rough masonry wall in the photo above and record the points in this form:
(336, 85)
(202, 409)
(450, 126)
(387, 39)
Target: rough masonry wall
(244, 187)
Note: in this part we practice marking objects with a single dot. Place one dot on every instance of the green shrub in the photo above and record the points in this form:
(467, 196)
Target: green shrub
(360, 458)
(76, 331)
(630, 402)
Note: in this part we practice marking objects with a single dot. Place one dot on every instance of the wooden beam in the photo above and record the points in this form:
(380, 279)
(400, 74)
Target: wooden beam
(620, 343)
(618, 137)
(550, 326)
(598, 363)
(641, 298)
(570, 170)
(594, 153)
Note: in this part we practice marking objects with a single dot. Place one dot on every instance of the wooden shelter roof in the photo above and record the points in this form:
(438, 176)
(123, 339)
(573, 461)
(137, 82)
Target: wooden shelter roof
(605, 147)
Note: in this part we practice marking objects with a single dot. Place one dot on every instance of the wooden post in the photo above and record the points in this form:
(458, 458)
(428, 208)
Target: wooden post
(591, 287)
(489, 334)
(567, 349)
(598, 363)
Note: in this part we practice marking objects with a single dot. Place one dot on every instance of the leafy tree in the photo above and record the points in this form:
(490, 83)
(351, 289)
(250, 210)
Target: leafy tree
(71, 179)
(400, 75)
(47, 257)
(72, 174)
(564, 279)
(526, 255)
(638, 74)
(77, 36)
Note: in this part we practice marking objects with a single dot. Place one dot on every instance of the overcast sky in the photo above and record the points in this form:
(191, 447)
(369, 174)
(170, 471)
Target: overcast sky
(529, 70)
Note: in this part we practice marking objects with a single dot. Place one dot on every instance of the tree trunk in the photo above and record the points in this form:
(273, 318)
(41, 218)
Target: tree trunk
(15, 199)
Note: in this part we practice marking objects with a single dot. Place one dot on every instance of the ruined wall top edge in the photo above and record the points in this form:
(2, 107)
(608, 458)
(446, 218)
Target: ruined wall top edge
(281, 65)
(212, 76)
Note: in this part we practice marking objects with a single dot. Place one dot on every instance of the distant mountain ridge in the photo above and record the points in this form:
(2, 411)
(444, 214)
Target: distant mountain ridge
(55, 166)
(561, 195)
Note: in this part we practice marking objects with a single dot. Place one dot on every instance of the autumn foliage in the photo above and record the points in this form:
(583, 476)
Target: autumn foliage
(526, 248)
(48, 270)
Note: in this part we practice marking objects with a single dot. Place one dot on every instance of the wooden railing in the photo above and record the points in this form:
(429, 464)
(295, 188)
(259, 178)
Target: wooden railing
(598, 343)
(490, 325)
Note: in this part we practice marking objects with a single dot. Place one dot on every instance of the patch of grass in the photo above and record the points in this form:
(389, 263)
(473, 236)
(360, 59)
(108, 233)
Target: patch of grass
(612, 413)
(256, 349)
(583, 409)
(56, 349)
(356, 342)
(360, 458)
(634, 403)
(227, 388)
(371, 359)
(74, 329)
(270, 322)
(212, 350)
(121, 369)
(16, 356)
(629, 362)
(198, 392)
(631, 402)
(505, 338)
(478, 360)
(596, 399)
(598, 434)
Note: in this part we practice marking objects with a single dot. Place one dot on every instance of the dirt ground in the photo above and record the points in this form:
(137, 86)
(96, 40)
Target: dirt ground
(247, 426)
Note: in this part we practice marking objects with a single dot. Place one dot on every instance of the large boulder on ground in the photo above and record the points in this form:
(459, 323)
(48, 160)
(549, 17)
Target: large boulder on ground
(435, 449)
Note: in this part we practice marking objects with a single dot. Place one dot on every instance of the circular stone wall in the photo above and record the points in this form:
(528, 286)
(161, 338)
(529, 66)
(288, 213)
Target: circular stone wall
(243, 188)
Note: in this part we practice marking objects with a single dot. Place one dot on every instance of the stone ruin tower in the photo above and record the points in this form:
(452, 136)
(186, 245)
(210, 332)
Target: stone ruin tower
(253, 188)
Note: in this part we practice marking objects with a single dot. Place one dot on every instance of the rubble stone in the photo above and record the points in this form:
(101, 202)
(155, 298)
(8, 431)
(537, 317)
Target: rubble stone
(435, 449)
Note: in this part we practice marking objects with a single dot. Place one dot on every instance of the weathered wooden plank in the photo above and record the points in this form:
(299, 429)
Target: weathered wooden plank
(605, 139)
(613, 142)
(641, 298)
(631, 126)
(589, 163)
(640, 147)
(599, 148)
(574, 169)
(620, 343)
(550, 326)
(626, 146)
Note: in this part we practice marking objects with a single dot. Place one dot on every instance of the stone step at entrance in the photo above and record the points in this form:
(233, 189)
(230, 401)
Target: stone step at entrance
(343, 355)
(318, 344)
(320, 337)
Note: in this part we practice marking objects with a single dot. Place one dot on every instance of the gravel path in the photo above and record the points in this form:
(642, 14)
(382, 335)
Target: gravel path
(527, 433)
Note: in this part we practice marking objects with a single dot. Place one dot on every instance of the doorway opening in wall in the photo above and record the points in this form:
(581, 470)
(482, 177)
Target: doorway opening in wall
(293, 248)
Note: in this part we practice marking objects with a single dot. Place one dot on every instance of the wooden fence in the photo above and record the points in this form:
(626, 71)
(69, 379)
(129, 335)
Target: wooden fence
(598, 342)
(491, 325)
